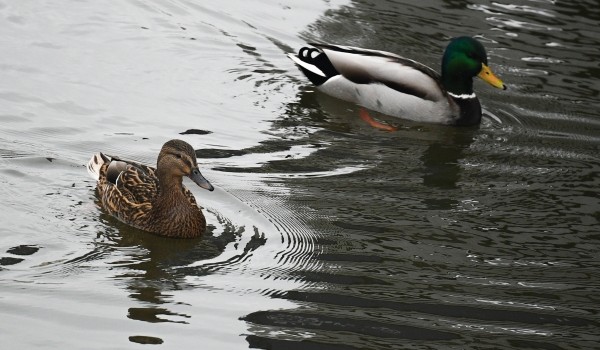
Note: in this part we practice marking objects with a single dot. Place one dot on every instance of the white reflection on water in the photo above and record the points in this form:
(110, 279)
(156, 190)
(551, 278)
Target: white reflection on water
(368, 235)
(84, 77)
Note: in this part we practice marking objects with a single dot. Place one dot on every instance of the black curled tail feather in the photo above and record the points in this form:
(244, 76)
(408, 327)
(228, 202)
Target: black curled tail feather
(319, 61)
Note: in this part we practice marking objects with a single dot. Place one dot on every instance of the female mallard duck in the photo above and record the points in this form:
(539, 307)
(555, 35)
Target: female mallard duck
(401, 87)
(153, 200)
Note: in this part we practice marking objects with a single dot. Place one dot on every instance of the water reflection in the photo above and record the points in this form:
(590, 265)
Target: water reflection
(154, 267)
(442, 158)
(412, 236)
(335, 235)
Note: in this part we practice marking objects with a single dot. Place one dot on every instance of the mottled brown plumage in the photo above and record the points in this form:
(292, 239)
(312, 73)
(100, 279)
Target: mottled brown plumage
(153, 200)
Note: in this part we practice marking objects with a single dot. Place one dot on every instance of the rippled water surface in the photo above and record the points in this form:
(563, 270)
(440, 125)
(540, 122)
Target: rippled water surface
(324, 233)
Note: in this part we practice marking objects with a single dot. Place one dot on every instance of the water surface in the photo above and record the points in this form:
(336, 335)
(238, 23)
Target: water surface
(323, 232)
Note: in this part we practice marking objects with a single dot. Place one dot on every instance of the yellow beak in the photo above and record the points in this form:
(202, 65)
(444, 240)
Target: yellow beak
(487, 75)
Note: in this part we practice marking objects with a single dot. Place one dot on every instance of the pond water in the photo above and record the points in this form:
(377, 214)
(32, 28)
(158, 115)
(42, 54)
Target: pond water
(324, 233)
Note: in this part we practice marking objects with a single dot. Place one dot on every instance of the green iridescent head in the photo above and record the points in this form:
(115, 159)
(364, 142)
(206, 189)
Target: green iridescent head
(464, 59)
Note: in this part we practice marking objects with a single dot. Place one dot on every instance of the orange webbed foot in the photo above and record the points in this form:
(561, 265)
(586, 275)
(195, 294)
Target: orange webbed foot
(364, 115)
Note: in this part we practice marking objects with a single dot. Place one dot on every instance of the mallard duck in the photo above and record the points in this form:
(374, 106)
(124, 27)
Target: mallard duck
(400, 87)
(153, 200)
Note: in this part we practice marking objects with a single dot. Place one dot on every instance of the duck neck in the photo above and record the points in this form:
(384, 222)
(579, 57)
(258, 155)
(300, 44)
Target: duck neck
(170, 189)
(173, 213)
(458, 86)
(470, 111)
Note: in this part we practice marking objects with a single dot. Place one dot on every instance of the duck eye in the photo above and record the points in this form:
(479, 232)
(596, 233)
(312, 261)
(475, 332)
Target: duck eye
(178, 156)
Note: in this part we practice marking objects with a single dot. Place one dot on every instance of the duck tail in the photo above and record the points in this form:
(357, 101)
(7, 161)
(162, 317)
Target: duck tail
(317, 67)
(94, 165)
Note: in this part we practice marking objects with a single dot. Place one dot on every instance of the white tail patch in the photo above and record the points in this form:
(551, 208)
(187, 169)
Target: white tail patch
(307, 66)
(94, 165)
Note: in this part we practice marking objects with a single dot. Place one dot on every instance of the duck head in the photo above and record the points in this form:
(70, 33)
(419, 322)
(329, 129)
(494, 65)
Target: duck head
(176, 159)
(464, 59)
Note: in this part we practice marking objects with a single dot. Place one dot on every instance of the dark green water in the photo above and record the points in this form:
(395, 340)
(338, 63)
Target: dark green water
(324, 232)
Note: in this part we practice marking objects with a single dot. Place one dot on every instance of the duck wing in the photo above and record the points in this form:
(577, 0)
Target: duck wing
(364, 66)
(125, 188)
(137, 182)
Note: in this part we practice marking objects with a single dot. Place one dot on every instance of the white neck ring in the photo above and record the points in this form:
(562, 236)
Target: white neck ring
(462, 96)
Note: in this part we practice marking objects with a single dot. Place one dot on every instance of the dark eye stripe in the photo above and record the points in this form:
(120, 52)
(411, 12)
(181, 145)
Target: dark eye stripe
(186, 159)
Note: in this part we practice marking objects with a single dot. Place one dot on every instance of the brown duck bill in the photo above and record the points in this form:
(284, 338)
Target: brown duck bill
(197, 177)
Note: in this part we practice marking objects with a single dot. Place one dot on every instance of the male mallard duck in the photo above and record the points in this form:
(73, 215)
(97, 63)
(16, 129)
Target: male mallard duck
(401, 87)
(153, 200)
